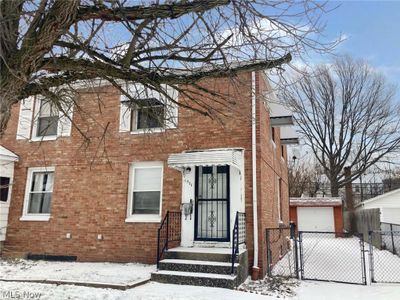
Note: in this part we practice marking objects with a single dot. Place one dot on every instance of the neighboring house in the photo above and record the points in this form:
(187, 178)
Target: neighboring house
(388, 204)
(317, 213)
(105, 200)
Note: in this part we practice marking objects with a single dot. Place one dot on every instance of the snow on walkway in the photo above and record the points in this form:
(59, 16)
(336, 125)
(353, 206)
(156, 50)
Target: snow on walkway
(113, 273)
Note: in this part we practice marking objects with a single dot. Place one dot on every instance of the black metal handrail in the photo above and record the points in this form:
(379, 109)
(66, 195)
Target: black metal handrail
(238, 236)
(169, 231)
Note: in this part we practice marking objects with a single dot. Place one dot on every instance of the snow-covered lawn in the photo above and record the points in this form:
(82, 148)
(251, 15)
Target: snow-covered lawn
(113, 273)
(158, 291)
(151, 290)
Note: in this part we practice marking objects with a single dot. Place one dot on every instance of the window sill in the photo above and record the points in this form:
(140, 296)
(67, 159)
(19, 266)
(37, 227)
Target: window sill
(149, 130)
(143, 219)
(44, 138)
(39, 218)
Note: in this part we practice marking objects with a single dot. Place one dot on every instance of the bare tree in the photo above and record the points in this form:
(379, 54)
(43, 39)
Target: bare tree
(347, 115)
(305, 178)
(45, 44)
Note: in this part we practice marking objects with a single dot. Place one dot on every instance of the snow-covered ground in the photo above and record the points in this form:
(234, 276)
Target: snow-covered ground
(321, 253)
(326, 257)
(386, 266)
(113, 273)
(158, 291)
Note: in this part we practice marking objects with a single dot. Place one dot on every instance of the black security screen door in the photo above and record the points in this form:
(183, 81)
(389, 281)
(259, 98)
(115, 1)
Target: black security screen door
(212, 203)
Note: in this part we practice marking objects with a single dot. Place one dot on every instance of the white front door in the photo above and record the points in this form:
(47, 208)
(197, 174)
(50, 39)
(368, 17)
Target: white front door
(212, 203)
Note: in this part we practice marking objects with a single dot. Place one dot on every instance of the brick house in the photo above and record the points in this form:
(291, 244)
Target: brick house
(105, 200)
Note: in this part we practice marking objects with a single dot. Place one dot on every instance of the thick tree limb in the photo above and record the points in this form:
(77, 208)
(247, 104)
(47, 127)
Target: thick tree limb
(140, 12)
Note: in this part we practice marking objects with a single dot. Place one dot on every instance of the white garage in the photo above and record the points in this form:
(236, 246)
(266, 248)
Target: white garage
(315, 219)
(317, 214)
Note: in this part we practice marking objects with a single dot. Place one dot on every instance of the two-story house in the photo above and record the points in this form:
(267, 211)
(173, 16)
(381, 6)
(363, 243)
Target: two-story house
(95, 182)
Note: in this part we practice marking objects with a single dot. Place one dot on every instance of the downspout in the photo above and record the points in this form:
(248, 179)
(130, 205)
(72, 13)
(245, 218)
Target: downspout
(255, 270)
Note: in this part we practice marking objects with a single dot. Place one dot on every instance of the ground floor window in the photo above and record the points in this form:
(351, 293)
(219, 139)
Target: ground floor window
(145, 192)
(38, 194)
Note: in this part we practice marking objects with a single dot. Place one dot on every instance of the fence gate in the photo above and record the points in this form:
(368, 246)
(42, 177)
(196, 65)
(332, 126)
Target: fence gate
(282, 258)
(384, 250)
(330, 256)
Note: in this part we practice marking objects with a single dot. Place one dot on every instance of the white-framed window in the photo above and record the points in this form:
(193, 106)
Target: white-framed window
(145, 192)
(40, 120)
(148, 114)
(46, 120)
(148, 111)
(38, 194)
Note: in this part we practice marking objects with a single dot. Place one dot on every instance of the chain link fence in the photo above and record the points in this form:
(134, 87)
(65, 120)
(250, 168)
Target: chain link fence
(330, 256)
(385, 259)
(282, 252)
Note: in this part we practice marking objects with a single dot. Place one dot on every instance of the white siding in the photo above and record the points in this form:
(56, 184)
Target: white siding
(6, 169)
(390, 215)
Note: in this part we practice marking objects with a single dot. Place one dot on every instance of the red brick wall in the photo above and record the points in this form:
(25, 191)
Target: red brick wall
(338, 217)
(293, 214)
(271, 165)
(91, 180)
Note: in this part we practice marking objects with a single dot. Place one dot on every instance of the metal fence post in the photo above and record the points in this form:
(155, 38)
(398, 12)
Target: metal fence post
(371, 257)
(294, 240)
(391, 234)
(268, 253)
(301, 256)
(364, 269)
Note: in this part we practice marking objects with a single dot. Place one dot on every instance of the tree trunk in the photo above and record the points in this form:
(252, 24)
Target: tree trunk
(334, 188)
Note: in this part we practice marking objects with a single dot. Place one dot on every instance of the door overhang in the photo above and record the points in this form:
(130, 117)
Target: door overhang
(209, 157)
(7, 155)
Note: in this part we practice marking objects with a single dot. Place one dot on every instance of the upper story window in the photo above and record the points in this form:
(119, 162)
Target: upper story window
(148, 110)
(47, 119)
(145, 192)
(38, 194)
(41, 120)
(149, 114)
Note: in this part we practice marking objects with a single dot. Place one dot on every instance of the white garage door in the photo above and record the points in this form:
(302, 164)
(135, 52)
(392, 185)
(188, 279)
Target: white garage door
(315, 219)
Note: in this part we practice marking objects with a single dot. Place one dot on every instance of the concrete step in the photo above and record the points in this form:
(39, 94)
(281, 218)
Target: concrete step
(203, 254)
(198, 266)
(199, 279)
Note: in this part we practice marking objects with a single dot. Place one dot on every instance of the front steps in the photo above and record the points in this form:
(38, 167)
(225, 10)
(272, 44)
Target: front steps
(202, 267)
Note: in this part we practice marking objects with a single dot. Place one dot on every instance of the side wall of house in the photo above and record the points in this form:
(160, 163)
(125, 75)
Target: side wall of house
(91, 176)
(272, 166)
